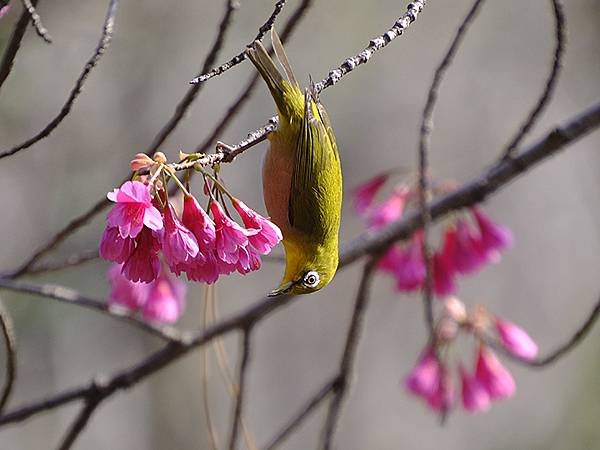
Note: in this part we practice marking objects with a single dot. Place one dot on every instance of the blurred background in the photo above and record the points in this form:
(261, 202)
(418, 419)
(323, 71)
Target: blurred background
(547, 283)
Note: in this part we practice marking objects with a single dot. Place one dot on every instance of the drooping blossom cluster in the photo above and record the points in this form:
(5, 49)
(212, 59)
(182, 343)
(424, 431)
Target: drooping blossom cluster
(144, 228)
(482, 381)
(4, 9)
(468, 243)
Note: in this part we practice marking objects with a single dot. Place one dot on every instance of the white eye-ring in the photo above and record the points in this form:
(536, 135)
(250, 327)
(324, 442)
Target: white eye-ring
(311, 279)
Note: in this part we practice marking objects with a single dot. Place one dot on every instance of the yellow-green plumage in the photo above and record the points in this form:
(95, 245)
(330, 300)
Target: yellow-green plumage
(302, 177)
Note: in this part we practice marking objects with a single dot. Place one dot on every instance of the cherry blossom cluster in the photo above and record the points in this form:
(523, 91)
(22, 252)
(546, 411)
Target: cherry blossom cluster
(146, 236)
(482, 382)
(469, 243)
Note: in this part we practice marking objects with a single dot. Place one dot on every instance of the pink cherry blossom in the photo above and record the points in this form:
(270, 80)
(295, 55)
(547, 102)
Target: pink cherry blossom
(230, 236)
(199, 223)
(113, 247)
(4, 10)
(125, 293)
(179, 244)
(469, 254)
(143, 263)
(474, 396)
(425, 377)
(494, 237)
(410, 273)
(390, 261)
(268, 235)
(364, 194)
(493, 376)
(205, 269)
(444, 282)
(133, 210)
(516, 340)
(443, 397)
(388, 211)
(165, 301)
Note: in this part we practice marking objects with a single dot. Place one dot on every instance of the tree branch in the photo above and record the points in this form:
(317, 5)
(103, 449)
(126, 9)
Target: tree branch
(105, 38)
(37, 21)
(80, 422)
(241, 388)
(10, 345)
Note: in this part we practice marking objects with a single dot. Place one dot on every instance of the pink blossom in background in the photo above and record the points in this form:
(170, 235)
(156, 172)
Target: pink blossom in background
(364, 194)
(179, 244)
(410, 273)
(268, 235)
(425, 377)
(494, 237)
(469, 254)
(443, 396)
(493, 376)
(115, 248)
(4, 10)
(165, 301)
(389, 210)
(123, 292)
(444, 282)
(516, 340)
(143, 263)
(474, 396)
(392, 258)
(133, 210)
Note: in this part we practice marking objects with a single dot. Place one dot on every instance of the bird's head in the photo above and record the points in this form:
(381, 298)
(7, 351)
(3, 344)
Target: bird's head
(309, 267)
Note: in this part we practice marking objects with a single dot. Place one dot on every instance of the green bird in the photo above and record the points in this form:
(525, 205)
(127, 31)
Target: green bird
(302, 177)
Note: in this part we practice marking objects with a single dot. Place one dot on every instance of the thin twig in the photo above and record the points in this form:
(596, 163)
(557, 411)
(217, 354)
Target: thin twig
(340, 388)
(71, 296)
(412, 11)
(212, 434)
(305, 411)
(560, 38)
(371, 243)
(241, 388)
(10, 345)
(105, 38)
(71, 261)
(424, 145)
(37, 21)
(264, 28)
(80, 422)
(10, 53)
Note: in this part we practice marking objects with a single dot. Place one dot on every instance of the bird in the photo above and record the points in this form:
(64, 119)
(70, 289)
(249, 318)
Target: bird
(302, 176)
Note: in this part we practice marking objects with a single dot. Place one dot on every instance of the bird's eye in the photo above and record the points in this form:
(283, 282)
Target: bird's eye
(311, 279)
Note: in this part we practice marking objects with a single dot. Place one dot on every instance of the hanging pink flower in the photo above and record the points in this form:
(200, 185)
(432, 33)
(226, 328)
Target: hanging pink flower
(494, 237)
(390, 261)
(249, 260)
(493, 376)
(143, 263)
(165, 301)
(425, 377)
(230, 237)
(204, 268)
(4, 10)
(444, 282)
(133, 210)
(113, 247)
(125, 293)
(410, 273)
(516, 340)
(199, 223)
(178, 243)
(469, 255)
(474, 396)
(364, 194)
(388, 211)
(268, 235)
(443, 396)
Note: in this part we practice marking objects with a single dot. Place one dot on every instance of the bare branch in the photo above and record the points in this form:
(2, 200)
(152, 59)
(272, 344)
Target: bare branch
(560, 38)
(264, 28)
(413, 10)
(241, 388)
(105, 38)
(10, 345)
(424, 145)
(37, 21)
(340, 388)
(71, 261)
(10, 53)
(71, 296)
(80, 422)
(310, 406)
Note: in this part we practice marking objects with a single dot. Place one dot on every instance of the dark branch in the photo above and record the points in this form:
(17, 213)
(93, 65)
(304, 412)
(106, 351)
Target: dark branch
(340, 388)
(303, 413)
(264, 28)
(560, 38)
(71, 261)
(424, 145)
(105, 38)
(10, 345)
(80, 422)
(10, 53)
(37, 21)
(241, 389)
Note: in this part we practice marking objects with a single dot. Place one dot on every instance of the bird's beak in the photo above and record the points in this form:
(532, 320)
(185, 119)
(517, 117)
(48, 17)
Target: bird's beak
(285, 288)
